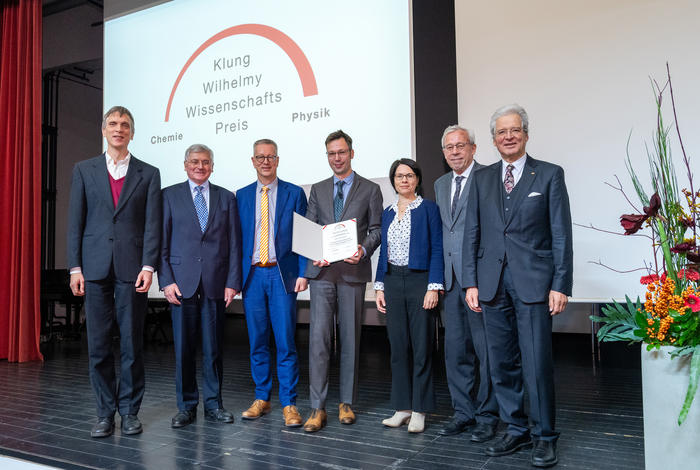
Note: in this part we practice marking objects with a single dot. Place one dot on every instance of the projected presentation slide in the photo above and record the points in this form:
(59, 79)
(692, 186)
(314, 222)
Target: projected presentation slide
(226, 73)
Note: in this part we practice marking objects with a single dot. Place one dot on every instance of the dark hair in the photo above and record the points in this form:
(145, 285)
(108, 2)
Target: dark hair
(413, 166)
(339, 134)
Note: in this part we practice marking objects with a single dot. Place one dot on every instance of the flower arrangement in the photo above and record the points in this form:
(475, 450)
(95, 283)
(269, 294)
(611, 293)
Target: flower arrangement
(670, 312)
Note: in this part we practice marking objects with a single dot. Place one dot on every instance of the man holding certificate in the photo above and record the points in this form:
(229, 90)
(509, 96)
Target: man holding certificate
(339, 287)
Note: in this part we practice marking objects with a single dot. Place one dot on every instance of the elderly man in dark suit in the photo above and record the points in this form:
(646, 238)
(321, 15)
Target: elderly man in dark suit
(200, 274)
(466, 355)
(518, 261)
(113, 248)
(340, 287)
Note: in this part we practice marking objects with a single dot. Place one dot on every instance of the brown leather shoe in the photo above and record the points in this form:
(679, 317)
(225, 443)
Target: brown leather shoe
(292, 418)
(345, 414)
(316, 421)
(257, 409)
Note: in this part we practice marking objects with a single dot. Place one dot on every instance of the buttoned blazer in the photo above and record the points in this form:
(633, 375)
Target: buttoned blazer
(101, 236)
(425, 246)
(453, 227)
(190, 257)
(290, 198)
(534, 238)
(363, 203)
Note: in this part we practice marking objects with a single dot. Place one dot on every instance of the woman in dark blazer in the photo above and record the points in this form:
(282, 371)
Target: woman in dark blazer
(409, 276)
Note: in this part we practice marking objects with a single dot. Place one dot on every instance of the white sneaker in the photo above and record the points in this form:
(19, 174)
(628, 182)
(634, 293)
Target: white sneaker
(399, 419)
(417, 423)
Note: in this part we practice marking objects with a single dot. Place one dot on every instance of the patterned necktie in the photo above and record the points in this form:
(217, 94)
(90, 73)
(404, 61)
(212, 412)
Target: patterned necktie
(201, 205)
(264, 226)
(458, 190)
(338, 201)
(509, 181)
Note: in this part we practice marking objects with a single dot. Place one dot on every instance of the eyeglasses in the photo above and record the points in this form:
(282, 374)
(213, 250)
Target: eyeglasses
(265, 158)
(340, 153)
(515, 132)
(458, 146)
(196, 162)
(407, 176)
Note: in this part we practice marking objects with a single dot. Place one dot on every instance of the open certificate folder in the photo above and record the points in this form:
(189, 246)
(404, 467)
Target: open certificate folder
(333, 242)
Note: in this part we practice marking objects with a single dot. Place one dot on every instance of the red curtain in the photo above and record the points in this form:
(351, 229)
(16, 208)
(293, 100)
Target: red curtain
(20, 179)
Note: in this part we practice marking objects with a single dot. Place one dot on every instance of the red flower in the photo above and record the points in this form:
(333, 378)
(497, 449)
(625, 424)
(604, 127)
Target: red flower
(649, 279)
(682, 247)
(654, 204)
(693, 301)
(663, 277)
(632, 222)
(688, 274)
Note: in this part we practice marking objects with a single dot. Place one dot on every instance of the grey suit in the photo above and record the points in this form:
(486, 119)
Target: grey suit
(465, 340)
(340, 287)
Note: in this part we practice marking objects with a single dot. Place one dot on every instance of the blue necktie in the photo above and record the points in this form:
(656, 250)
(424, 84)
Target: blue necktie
(201, 205)
(338, 201)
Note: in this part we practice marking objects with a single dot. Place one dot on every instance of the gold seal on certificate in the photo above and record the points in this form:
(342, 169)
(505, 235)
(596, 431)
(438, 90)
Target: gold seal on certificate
(333, 242)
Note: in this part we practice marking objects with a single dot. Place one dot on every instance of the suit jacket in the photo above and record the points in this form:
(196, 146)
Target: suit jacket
(190, 257)
(290, 198)
(101, 236)
(363, 203)
(453, 227)
(534, 238)
(425, 248)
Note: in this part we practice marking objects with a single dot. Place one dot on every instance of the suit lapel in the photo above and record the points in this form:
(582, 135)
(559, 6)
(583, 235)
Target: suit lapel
(214, 199)
(496, 190)
(100, 177)
(353, 190)
(526, 179)
(185, 196)
(280, 204)
(444, 202)
(132, 180)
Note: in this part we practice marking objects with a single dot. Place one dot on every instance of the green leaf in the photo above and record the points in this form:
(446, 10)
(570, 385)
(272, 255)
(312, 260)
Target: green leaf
(692, 385)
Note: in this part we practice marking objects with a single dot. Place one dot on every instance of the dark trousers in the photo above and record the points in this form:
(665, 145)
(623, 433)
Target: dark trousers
(466, 355)
(411, 330)
(198, 314)
(329, 295)
(519, 338)
(268, 306)
(109, 301)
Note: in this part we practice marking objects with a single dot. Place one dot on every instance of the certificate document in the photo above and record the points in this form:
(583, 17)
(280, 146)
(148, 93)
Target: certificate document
(333, 242)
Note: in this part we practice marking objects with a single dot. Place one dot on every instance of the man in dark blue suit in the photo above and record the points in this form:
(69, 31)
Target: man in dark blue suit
(112, 248)
(200, 274)
(518, 263)
(272, 277)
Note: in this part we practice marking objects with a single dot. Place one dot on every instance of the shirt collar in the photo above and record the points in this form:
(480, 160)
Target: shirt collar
(123, 162)
(270, 187)
(519, 164)
(348, 180)
(415, 203)
(205, 185)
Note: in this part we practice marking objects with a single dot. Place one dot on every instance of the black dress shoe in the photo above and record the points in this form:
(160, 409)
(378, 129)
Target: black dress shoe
(183, 418)
(508, 444)
(544, 454)
(483, 432)
(103, 427)
(456, 426)
(131, 425)
(219, 414)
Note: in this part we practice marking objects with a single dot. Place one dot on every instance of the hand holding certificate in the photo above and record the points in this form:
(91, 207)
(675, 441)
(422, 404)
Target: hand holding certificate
(326, 243)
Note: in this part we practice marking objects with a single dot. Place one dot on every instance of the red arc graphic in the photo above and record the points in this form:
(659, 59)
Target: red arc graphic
(306, 73)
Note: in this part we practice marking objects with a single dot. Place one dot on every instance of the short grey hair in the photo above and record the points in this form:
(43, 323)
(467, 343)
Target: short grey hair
(199, 148)
(120, 110)
(264, 142)
(455, 128)
(506, 110)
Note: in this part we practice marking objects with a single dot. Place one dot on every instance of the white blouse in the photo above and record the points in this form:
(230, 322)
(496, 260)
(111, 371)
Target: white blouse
(398, 241)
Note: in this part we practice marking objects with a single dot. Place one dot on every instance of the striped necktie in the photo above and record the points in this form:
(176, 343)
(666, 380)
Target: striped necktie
(264, 226)
(201, 206)
(338, 201)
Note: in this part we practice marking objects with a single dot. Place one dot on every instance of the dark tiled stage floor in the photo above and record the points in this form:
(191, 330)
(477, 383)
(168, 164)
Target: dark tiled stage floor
(47, 409)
